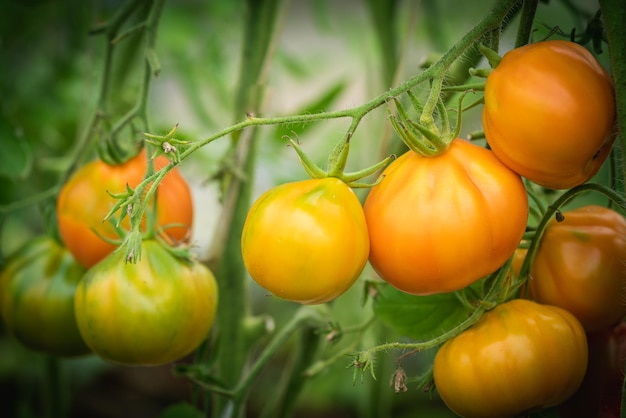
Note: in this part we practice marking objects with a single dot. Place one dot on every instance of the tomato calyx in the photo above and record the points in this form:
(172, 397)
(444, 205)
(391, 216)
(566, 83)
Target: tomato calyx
(167, 145)
(337, 164)
(426, 137)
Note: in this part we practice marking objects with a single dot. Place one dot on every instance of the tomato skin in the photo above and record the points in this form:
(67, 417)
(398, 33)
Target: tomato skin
(84, 202)
(438, 224)
(579, 266)
(37, 288)
(306, 241)
(549, 113)
(520, 356)
(150, 313)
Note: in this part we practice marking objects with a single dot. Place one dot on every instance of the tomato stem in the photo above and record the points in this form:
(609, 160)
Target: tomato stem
(527, 18)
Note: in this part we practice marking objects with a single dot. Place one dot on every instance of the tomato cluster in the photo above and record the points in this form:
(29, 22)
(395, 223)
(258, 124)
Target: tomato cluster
(81, 296)
(549, 116)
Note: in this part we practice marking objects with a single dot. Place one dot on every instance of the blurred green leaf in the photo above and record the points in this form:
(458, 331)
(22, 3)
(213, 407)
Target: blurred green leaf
(181, 410)
(418, 317)
(16, 158)
(319, 104)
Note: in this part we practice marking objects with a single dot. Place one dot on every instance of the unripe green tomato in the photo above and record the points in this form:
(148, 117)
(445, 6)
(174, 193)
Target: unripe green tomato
(306, 241)
(520, 356)
(152, 312)
(37, 289)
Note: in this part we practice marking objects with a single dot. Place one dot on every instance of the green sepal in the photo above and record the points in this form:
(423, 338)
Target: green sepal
(492, 56)
(312, 169)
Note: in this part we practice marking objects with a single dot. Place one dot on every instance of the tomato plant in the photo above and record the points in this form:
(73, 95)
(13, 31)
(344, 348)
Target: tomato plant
(37, 288)
(306, 241)
(438, 224)
(579, 266)
(84, 201)
(549, 113)
(520, 356)
(153, 312)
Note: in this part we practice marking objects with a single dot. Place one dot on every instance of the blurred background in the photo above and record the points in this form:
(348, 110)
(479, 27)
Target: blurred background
(327, 56)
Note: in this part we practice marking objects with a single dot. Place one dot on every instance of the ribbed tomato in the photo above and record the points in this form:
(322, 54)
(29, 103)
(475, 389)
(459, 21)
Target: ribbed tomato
(519, 357)
(579, 266)
(37, 288)
(149, 313)
(83, 203)
(438, 224)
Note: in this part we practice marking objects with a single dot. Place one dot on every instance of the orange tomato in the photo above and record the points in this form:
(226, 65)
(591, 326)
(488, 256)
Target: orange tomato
(438, 224)
(83, 203)
(549, 113)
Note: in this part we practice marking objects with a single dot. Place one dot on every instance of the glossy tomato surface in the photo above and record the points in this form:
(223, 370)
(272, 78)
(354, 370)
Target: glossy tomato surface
(579, 266)
(84, 202)
(37, 288)
(520, 356)
(549, 113)
(149, 313)
(438, 224)
(306, 241)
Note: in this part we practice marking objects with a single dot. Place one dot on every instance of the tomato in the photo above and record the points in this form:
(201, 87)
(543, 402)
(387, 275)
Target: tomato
(520, 356)
(149, 313)
(83, 203)
(600, 394)
(306, 241)
(549, 113)
(37, 289)
(438, 224)
(579, 266)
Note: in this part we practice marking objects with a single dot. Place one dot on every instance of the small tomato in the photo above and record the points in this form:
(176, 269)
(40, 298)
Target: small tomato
(149, 313)
(306, 241)
(438, 224)
(84, 202)
(518, 357)
(37, 288)
(549, 113)
(579, 266)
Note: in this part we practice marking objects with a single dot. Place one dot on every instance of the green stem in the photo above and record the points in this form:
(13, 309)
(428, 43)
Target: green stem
(54, 388)
(527, 18)
(232, 355)
(614, 16)
(424, 345)
(306, 315)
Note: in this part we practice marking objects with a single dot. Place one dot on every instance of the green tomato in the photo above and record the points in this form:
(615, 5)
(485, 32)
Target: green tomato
(152, 312)
(37, 290)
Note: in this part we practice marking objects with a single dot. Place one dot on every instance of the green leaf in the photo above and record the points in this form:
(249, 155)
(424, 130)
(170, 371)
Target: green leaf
(181, 410)
(320, 104)
(418, 317)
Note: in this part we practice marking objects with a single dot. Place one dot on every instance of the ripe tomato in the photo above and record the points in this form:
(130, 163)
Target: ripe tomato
(600, 394)
(438, 224)
(579, 266)
(306, 241)
(83, 202)
(520, 356)
(149, 313)
(37, 289)
(549, 113)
